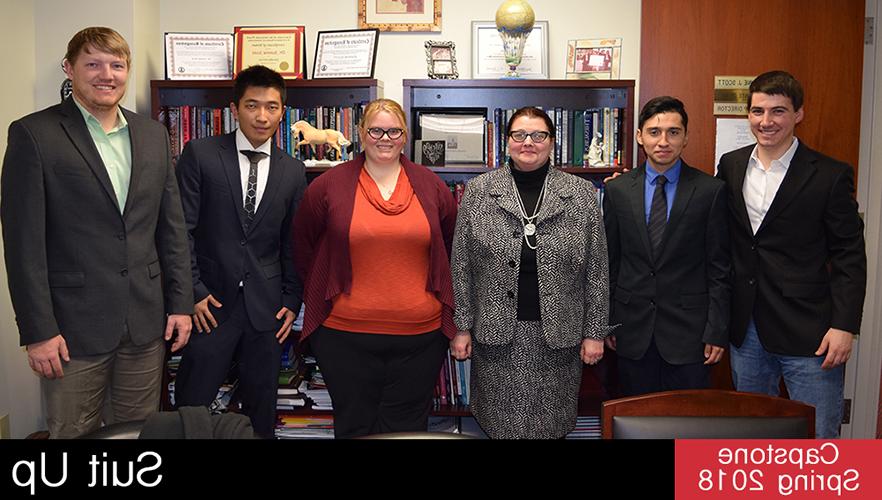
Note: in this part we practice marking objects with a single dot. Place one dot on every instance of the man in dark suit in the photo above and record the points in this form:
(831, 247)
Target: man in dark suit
(798, 257)
(240, 193)
(92, 230)
(668, 261)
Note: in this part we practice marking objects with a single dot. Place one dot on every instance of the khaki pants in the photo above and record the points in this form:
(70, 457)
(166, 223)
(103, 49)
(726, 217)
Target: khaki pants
(132, 375)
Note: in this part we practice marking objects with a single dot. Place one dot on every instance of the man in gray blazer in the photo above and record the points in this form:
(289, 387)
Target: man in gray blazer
(95, 244)
(668, 261)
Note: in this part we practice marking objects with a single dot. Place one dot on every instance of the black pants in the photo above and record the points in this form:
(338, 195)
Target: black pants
(379, 383)
(207, 360)
(652, 373)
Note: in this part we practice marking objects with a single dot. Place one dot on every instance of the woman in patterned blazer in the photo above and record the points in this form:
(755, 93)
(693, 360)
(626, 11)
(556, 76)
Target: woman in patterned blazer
(530, 281)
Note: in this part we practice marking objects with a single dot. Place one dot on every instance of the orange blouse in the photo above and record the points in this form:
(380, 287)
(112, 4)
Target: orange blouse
(389, 244)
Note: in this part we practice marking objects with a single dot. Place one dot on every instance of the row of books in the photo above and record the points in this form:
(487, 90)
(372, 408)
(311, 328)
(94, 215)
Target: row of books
(186, 123)
(452, 387)
(592, 137)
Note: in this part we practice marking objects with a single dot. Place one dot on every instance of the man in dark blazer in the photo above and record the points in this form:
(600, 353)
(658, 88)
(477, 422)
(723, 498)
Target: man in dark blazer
(94, 234)
(668, 261)
(798, 257)
(239, 215)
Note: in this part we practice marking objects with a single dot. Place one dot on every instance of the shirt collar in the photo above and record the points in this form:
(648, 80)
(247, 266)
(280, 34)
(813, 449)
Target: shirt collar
(121, 122)
(242, 142)
(783, 162)
(672, 174)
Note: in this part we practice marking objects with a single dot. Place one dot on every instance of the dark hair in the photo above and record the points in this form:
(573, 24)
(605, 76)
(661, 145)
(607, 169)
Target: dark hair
(258, 76)
(777, 83)
(663, 104)
(531, 112)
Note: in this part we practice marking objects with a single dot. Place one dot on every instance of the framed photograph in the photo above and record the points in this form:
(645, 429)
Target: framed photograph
(345, 54)
(198, 56)
(462, 134)
(594, 59)
(488, 57)
(441, 58)
(400, 15)
(281, 48)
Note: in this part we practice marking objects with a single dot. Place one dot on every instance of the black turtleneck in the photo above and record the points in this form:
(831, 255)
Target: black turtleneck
(529, 184)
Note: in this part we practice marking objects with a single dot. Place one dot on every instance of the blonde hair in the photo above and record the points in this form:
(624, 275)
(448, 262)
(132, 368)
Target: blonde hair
(388, 105)
(99, 38)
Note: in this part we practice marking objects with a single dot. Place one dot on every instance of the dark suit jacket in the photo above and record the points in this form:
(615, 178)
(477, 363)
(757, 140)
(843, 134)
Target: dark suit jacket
(682, 295)
(805, 270)
(223, 252)
(76, 266)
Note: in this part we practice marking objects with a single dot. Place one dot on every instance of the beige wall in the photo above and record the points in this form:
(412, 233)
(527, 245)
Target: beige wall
(401, 55)
(19, 388)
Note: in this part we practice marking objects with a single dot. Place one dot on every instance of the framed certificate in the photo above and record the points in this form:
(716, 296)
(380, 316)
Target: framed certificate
(345, 54)
(198, 56)
(594, 59)
(488, 56)
(400, 15)
(280, 48)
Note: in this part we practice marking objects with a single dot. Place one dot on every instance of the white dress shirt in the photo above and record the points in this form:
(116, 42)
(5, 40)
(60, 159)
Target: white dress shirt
(245, 165)
(761, 184)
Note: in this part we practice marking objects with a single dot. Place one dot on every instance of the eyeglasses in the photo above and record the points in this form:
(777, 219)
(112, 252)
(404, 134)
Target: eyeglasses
(377, 133)
(521, 136)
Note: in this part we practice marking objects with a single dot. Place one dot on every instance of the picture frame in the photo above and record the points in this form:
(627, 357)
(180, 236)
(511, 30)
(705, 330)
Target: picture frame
(345, 54)
(198, 56)
(594, 59)
(441, 59)
(461, 130)
(280, 48)
(400, 15)
(488, 59)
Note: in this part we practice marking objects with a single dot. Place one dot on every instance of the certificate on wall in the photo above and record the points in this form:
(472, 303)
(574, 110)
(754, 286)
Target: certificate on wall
(345, 54)
(280, 48)
(198, 56)
(488, 56)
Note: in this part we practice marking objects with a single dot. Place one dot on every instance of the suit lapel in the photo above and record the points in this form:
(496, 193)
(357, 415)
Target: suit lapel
(76, 130)
(274, 178)
(739, 171)
(638, 205)
(685, 189)
(501, 189)
(139, 150)
(556, 192)
(229, 158)
(802, 168)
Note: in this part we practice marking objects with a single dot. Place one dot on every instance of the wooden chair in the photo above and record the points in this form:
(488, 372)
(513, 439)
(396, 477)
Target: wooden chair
(706, 414)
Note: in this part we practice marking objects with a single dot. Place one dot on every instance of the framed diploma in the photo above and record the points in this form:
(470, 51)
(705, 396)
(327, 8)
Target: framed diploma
(400, 15)
(280, 48)
(198, 56)
(488, 55)
(345, 54)
(462, 134)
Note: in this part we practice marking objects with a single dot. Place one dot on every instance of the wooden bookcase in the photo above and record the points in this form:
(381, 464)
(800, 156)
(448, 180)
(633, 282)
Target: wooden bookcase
(487, 95)
(300, 94)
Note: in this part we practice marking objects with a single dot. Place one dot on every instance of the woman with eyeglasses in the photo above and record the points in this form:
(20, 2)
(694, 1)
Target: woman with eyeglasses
(371, 243)
(530, 279)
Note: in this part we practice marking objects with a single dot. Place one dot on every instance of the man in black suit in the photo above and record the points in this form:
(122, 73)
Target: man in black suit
(240, 193)
(798, 257)
(668, 261)
(92, 230)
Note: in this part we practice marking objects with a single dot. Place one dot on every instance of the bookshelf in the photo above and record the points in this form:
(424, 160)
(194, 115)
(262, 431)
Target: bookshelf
(485, 96)
(301, 94)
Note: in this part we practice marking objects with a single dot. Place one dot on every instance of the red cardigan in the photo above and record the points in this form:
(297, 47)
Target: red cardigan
(320, 236)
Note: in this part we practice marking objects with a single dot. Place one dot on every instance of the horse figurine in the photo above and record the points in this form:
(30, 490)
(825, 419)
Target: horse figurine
(314, 136)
